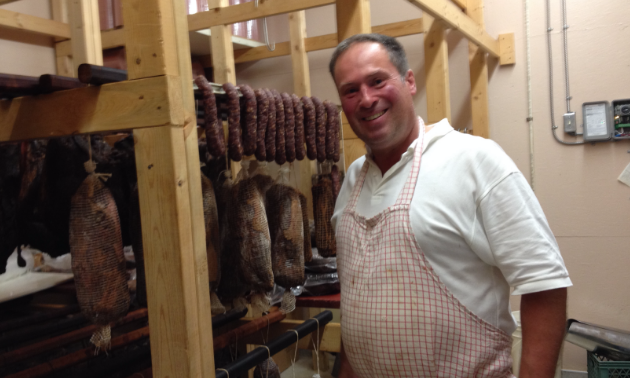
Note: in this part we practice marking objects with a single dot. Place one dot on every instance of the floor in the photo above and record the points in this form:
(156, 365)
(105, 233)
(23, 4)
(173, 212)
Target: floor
(304, 367)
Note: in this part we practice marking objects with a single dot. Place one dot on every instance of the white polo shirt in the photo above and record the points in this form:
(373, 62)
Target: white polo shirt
(475, 217)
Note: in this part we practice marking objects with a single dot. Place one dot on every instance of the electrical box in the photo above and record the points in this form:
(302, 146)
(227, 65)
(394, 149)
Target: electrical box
(570, 123)
(597, 121)
(621, 119)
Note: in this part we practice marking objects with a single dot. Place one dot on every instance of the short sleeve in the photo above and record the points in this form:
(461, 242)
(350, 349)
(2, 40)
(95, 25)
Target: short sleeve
(521, 242)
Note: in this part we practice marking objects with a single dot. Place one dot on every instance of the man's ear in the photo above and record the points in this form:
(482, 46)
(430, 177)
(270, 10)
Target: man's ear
(410, 80)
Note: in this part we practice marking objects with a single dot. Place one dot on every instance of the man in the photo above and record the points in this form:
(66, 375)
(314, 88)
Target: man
(433, 227)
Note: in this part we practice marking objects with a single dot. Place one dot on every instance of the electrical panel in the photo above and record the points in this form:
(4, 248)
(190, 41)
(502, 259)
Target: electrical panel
(597, 121)
(621, 119)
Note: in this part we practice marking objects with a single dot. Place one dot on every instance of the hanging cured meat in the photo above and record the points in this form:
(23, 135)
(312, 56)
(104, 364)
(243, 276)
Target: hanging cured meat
(298, 111)
(263, 116)
(98, 261)
(235, 139)
(323, 206)
(320, 133)
(213, 125)
(249, 117)
(270, 136)
(310, 126)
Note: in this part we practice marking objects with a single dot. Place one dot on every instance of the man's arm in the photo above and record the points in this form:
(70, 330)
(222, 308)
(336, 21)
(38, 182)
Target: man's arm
(543, 320)
(345, 370)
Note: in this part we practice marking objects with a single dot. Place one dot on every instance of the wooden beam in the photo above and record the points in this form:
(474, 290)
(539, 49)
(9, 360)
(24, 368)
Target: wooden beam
(462, 4)
(63, 60)
(86, 33)
(478, 77)
(111, 107)
(225, 15)
(353, 17)
(330, 335)
(453, 17)
(33, 24)
(436, 69)
(169, 184)
(3, 2)
(109, 39)
(506, 49)
(322, 42)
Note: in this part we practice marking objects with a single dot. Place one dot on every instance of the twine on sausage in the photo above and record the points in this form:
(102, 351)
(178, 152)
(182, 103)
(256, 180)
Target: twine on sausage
(297, 340)
(316, 349)
(226, 372)
(268, 357)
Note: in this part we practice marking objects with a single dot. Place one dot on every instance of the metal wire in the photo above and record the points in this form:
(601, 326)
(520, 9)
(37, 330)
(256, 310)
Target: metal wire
(553, 124)
(565, 26)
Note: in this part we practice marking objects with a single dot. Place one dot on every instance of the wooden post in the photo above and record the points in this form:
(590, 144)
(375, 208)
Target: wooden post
(436, 68)
(301, 87)
(478, 76)
(167, 160)
(223, 60)
(353, 17)
(86, 33)
(64, 62)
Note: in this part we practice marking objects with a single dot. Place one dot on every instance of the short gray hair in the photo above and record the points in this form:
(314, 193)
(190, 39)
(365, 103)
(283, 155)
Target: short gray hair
(394, 49)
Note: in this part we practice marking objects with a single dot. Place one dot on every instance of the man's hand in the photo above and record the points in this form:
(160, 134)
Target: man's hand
(543, 319)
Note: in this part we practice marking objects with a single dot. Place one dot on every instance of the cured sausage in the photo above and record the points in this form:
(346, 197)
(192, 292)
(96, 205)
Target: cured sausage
(298, 112)
(331, 126)
(281, 156)
(270, 136)
(235, 140)
(311, 131)
(263, 116)
(289, 127)
(249, 120)
(213, 125)
(336, 181)
(321, 117)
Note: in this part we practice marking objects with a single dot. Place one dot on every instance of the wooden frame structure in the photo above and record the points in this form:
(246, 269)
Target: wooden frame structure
(157, 104)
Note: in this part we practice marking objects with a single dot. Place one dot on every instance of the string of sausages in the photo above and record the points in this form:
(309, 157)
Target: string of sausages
(273, 126)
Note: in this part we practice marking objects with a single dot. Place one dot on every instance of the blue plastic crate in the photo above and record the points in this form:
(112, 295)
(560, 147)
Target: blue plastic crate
(599, 367)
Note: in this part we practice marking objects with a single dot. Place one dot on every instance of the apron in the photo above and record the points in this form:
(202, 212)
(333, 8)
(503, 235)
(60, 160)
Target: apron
(398, 319)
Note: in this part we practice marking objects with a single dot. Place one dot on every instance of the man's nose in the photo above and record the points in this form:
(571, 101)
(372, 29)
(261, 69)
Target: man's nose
(367, 97)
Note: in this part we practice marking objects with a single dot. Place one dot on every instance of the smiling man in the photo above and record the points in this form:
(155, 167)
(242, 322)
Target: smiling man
(433, 228)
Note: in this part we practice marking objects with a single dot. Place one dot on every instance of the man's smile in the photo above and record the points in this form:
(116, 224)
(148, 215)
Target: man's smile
(375, 116)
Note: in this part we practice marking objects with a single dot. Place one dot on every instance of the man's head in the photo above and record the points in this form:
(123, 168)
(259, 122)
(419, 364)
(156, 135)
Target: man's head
(394, 50)
(376, 92)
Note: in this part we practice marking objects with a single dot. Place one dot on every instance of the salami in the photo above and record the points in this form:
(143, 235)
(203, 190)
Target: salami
(298, 112)
(213, 125)
(309, 125)
(270, 136)
(320, 136)
(331, 126)
(289, 127)
(235, 141)
(281, 156)
(263, 116)
(249, 121)
(336, 182)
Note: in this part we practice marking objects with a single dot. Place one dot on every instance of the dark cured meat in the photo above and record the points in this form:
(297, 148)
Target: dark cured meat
(337, 140)
(263, 116)
(213, 236)
(289, 127)
(213, 126)
(323, 207)
(308, 251)
(287, 235)
(9, 193)
(298, 111)
(336, 181)
(138, 249)
(281, 155)
(270, 136)
(235, 141)
(331, 125)
(98, 260)
(320, 116)
(311, 130)
(249, 122)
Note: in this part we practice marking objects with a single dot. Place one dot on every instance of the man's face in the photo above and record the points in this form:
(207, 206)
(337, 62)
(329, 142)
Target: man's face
(377, 103)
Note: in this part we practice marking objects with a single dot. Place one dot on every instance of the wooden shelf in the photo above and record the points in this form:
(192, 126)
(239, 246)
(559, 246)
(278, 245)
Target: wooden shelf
(200, 42)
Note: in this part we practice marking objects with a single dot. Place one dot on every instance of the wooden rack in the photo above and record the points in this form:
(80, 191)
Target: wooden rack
(157, 103)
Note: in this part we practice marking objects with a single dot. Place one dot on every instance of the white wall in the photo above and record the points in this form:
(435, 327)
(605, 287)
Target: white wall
(21, 54)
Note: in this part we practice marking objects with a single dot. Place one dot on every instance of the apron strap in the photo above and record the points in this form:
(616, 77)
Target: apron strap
(406, 195)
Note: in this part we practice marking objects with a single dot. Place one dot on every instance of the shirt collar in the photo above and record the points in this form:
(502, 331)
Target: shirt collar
(437, 131)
